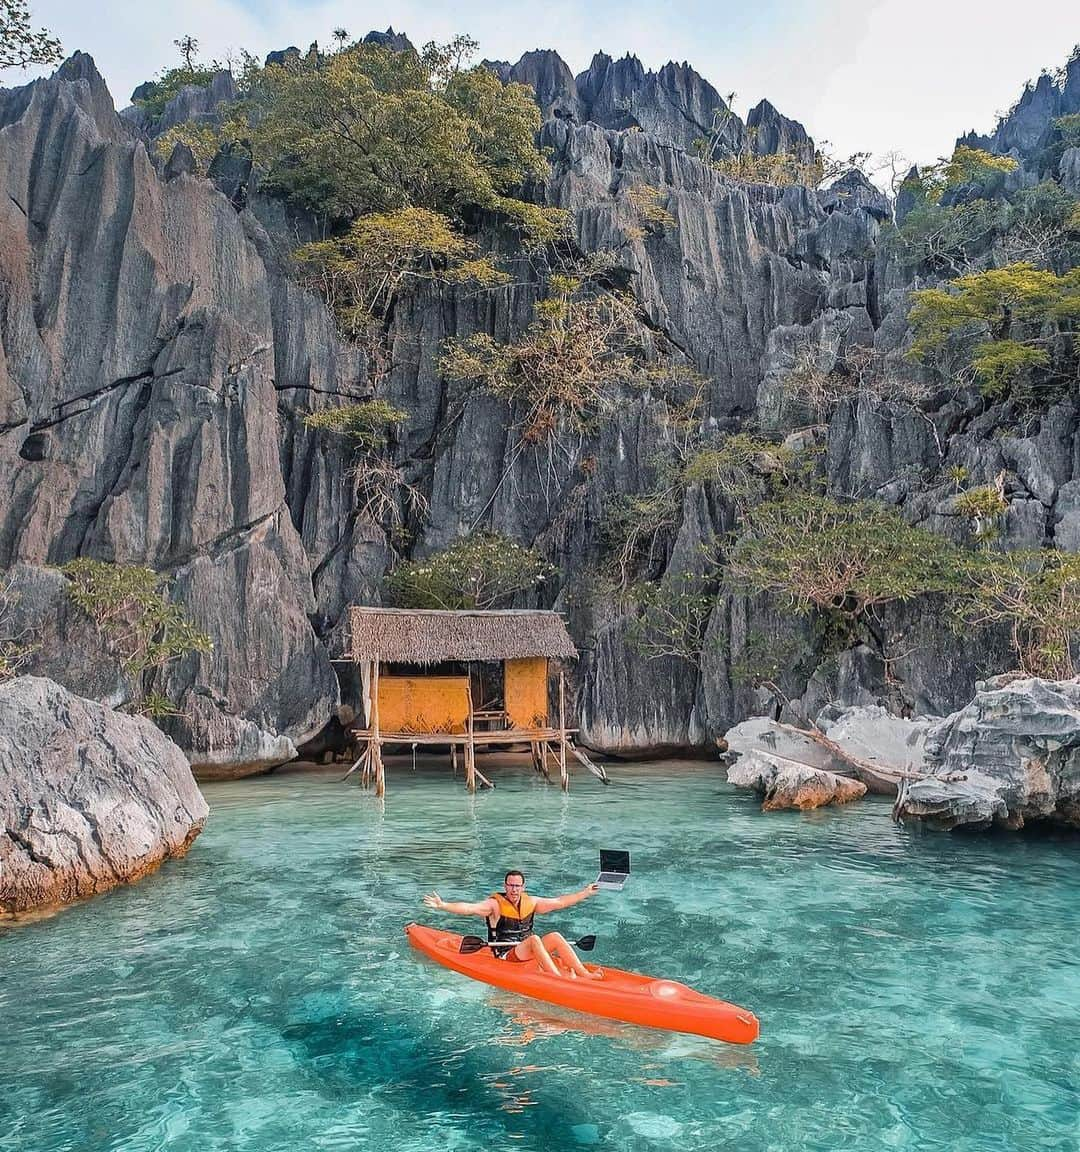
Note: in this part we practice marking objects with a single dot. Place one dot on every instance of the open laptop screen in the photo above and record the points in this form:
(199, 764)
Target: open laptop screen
(615, 862)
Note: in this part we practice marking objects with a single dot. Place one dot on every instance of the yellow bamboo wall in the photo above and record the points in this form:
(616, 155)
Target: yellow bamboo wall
(423, 703)
(525, 692)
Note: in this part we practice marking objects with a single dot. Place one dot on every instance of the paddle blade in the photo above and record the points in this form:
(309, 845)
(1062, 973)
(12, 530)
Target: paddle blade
(471, 944)
(586, 943)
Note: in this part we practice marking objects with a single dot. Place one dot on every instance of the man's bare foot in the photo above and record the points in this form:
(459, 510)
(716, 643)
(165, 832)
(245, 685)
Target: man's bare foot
(594, 973)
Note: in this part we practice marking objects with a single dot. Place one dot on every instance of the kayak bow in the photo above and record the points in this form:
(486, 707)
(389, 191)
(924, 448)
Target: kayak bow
(627, 996)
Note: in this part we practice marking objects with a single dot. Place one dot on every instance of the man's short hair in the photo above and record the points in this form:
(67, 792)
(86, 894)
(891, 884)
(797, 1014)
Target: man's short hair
(514, 872)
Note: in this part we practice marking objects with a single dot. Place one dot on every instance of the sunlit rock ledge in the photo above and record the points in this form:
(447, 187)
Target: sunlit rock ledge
(89, 798)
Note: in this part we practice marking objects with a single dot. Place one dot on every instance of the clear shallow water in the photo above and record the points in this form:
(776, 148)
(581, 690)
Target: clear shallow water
(914, 991)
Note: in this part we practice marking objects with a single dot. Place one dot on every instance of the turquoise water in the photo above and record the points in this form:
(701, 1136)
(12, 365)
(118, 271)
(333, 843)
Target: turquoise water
(914, 990)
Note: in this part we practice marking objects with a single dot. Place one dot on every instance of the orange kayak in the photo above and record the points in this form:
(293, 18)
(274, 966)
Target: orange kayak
(619, 995)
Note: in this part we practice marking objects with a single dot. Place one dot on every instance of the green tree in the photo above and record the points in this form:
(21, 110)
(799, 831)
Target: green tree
(141, 626)
(20, 45)
(1001, 323)
(815, 553)
(484, 570)
(189, 49)
(362, 273)
(373, 130)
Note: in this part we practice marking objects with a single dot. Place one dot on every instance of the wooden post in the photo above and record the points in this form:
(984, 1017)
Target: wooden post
(376, 743)
(542, 760)
(453, 758)
(470, 747)
(564, 777)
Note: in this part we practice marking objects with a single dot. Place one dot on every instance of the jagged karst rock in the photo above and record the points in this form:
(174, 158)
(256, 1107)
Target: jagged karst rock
(193, 102)
(89, 798)
(789, 784)
(153, 392)
(1011, 756)
(145, 388)
(1069, 168)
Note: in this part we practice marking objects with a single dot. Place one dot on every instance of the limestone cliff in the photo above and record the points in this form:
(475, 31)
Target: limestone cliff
(158, 360)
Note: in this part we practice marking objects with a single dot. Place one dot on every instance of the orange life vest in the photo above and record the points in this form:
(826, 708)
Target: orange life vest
(513, 924)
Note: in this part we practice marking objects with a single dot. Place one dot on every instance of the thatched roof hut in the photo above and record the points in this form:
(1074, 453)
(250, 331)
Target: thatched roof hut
(429, 636)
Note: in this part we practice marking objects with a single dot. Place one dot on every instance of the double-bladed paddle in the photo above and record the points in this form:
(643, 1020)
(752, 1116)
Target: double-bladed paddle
(471, 944)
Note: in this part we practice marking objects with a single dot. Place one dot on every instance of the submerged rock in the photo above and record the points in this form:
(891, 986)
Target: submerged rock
(789, 784)
(89, 798)
(1012, 755)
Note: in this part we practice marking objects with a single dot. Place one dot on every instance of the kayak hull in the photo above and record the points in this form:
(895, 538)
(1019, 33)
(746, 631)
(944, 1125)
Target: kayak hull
(627, 996)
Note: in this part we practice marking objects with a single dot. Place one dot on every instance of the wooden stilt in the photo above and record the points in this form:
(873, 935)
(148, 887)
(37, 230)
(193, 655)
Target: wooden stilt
(535, 750)
(564, 778)
(596, 769)
(376, 743)
(359, 762)
(545, 750)
(470, 747)
(453, 758)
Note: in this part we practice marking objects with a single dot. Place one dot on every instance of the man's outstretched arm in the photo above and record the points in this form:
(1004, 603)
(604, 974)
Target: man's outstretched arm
(553, 904)
(461, 907)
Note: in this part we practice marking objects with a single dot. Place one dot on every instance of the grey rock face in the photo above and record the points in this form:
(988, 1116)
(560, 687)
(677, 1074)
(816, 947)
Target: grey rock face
(89, 798)
(159, 360)
(1069, 168)
(141, 384)
(192, 102)
(1012, 755)
(771, 133)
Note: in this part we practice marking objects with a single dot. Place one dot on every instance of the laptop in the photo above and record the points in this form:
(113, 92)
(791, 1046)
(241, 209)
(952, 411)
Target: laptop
(614, 869)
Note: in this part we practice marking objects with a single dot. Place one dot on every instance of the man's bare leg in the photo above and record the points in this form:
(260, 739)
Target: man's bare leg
(556, 942)
(532, 947)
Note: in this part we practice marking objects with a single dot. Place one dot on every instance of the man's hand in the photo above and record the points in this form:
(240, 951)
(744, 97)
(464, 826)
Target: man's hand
(434, 900)
(591, 889)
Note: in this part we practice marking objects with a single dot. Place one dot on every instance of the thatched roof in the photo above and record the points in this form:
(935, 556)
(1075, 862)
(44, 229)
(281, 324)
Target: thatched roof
(426, 636)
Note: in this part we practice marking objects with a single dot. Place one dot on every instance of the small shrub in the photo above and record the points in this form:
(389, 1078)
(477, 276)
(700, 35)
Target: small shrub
(1036, 594)
(1068, 128)
(203, 140)
(671, 618)
(567, 366)
(984, 507)
(648, 204)
(16, 644)
(364, 424)
(172, 81)
(743, 467)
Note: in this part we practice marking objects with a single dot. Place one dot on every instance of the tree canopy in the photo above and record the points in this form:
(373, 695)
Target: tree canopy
(369, 129)
(20, 45)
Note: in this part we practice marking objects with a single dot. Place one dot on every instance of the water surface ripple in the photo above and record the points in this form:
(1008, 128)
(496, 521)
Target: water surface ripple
(914, 990)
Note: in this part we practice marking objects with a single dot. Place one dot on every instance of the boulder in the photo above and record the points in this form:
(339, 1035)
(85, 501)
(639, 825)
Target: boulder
(1012, 755)
(760, 734)
(876, 737)
(89, 798)
(789, 784)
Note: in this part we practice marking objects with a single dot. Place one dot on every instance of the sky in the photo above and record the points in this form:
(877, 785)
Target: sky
(878, 76)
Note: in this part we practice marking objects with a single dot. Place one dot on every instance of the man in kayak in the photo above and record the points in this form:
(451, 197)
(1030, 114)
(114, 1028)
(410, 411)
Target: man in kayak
(509, 915)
